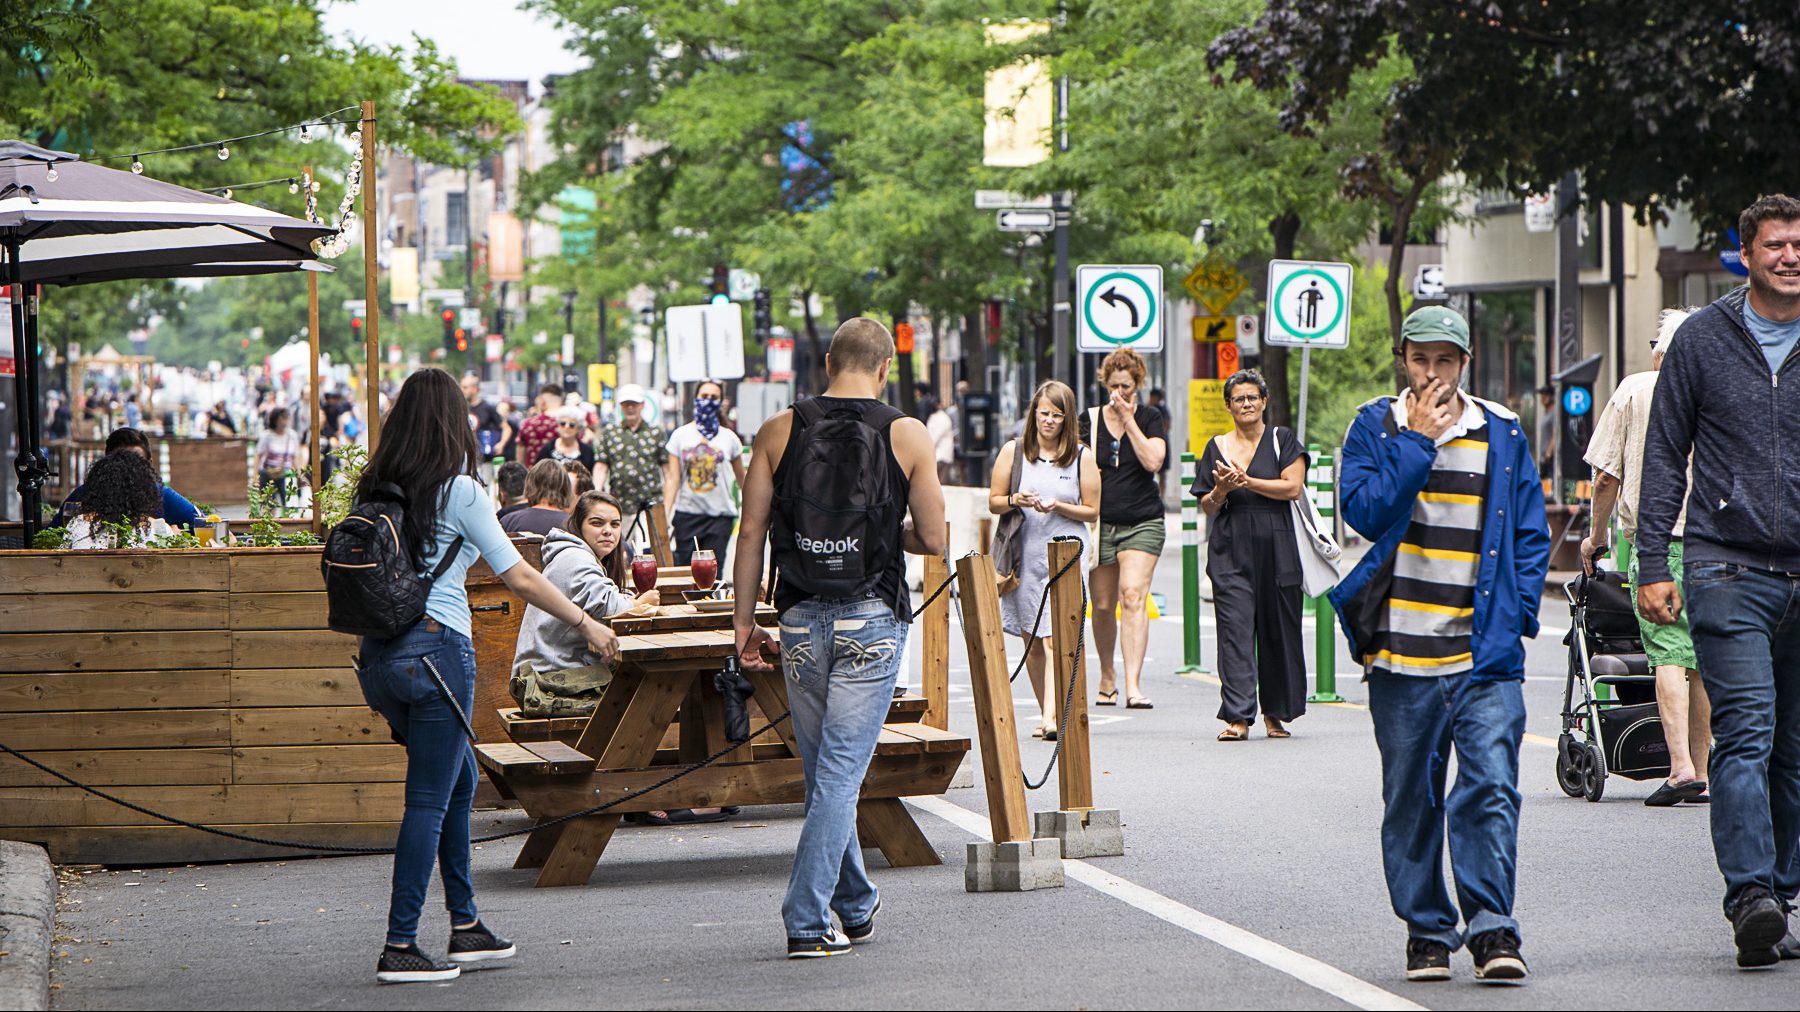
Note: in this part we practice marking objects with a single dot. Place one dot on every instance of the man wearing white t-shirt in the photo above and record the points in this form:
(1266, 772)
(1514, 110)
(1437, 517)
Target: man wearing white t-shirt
(697, 495)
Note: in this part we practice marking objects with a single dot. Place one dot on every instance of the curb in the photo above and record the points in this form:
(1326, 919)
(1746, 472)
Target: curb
(27, 924)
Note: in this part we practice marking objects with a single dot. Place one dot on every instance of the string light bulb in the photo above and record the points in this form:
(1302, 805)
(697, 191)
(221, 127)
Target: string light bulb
(137, 166)
(224, 152)
(293, 187)
(227, 193)
(306, 133)
(51, 174)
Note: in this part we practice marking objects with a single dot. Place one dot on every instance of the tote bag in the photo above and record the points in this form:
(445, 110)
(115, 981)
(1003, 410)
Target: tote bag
(1319, 551)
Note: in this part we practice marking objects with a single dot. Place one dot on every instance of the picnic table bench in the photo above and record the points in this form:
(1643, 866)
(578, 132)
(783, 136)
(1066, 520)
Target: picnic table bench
(661, 710)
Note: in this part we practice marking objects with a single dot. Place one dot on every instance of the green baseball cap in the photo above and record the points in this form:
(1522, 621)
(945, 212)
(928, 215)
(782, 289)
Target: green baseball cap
(1436, 323)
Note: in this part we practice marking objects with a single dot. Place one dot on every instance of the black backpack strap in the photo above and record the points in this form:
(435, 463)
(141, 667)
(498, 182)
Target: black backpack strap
(443, 565)
(806, 412)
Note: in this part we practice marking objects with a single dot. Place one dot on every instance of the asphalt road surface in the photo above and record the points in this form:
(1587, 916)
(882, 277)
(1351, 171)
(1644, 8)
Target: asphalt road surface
(1251, 878)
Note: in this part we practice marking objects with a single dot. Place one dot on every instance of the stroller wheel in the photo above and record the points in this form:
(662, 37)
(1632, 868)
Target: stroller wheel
(1595, 784)
(1571, 773)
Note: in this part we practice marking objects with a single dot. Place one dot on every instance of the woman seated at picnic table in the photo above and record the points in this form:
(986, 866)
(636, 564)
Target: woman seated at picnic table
(172, 505)
(555, 673)
(548, 490)
(119, 505)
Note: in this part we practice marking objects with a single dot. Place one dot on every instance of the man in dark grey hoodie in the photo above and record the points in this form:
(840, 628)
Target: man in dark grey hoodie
(1720, 395)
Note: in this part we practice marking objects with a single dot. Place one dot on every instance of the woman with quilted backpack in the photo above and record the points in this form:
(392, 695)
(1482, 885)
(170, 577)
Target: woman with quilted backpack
(423, 679)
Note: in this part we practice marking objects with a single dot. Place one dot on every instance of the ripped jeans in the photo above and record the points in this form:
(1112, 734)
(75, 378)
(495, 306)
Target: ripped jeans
(841, 659)
(1417, 720)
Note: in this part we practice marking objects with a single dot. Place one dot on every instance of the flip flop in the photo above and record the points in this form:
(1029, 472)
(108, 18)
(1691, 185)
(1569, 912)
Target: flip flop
(1140, 703)
(1037, 732)
(1280, 732)
(1108, 698)
(1229, 735)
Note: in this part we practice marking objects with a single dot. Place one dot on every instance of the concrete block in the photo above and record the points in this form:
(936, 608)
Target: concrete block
(1013, 867)
(1093, 833)
(27, 922)
(965, 774)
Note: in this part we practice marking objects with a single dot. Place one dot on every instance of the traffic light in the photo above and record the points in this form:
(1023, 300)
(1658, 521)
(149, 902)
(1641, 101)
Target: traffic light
(356, 328)
(721, 284)
(462, 340)
(764, 316)
(450, 331)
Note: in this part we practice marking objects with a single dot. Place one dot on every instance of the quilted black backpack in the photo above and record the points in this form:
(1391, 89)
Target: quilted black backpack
(371, 587)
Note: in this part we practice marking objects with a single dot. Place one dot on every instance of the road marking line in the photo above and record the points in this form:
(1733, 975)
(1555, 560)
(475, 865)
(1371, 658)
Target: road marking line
(1305, 969)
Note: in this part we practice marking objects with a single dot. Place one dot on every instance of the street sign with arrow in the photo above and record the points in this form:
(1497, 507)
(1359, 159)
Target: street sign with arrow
(1119, 306)
(1021, 219)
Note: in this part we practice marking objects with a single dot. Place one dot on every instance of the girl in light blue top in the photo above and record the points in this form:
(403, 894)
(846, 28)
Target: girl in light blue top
(423, 680)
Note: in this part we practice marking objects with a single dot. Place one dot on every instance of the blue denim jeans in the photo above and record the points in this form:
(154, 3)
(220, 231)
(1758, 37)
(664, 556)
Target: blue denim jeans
(841, 659)
(1417, 720)
(440, 765)
(1746, 628)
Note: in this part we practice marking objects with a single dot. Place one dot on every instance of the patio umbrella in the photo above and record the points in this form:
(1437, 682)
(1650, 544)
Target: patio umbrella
(65, 221)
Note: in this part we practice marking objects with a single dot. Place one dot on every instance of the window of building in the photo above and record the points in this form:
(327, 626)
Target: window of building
(1504, 334)
(456, 219)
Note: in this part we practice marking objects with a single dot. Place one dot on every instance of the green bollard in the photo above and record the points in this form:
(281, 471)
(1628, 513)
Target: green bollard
(1190, 573)
(1321, 482)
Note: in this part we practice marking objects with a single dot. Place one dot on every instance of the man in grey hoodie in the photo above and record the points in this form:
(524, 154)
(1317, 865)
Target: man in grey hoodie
(1720, 396)
(554, 672)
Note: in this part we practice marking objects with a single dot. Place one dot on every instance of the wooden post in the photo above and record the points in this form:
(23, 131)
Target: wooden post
(986, 526)
(659, 535)
(312, 371)
(371, 282)
(934, 636)
(998, 736)
(1074, 772)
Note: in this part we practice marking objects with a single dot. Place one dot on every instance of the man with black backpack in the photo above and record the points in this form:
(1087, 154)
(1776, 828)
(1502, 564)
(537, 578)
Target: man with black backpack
(830, 483)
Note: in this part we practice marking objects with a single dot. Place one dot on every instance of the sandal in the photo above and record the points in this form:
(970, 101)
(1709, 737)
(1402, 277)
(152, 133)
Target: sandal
(1232, 734)
(1108, 698)
(1140, 703)
(1037, 732)
(1277, 732)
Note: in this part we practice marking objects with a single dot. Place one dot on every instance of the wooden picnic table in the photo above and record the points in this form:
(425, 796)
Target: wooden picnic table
(661, 671)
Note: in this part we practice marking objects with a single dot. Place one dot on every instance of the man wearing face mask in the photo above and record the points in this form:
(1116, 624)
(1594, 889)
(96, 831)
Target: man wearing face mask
(697, 495)
(1445, 487)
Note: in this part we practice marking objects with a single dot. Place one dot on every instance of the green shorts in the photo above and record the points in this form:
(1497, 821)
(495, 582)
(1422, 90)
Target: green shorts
(1146, 536)
(1666, 644)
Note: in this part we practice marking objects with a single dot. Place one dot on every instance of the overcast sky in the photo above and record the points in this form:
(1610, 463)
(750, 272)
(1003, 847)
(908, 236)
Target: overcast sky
(487, 38)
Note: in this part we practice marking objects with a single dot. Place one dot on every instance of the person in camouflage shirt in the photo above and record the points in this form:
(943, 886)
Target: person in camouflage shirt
(628, 457)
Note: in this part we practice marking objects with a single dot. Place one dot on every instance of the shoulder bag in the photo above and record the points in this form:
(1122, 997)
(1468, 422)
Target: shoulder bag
(1009, 547)
(1319, 551)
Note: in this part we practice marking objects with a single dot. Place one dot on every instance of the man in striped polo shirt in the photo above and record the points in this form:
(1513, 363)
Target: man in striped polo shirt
(1444, 485)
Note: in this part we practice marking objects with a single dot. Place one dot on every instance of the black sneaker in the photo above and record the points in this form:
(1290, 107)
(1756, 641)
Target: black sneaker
(1496, 955)
(1758, 924)
(1427, 959)
(478, 945)
(1789, 947)
(408, 965)
(831, 943)
(860, 933)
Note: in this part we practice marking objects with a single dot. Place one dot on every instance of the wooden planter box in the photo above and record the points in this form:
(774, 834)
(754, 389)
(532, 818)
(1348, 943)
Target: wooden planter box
(199, 683)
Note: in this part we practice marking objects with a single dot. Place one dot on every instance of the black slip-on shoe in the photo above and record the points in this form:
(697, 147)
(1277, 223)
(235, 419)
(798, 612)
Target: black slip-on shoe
(1496, 955)
(479, 945)
(409, 965)
(1427, 959)
(1758, 924)
(1668, 795)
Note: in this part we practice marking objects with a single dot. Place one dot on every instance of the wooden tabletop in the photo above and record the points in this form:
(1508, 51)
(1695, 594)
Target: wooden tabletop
(688, 644)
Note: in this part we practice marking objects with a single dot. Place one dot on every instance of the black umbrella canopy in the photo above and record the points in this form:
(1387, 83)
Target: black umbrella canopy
(64, 222)
(71, 217)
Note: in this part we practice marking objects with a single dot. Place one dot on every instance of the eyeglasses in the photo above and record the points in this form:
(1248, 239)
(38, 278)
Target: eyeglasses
(1246, 399)
(568, 425)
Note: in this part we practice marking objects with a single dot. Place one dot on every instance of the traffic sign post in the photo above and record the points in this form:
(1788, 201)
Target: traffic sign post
(1119, 306)
(1025, 219)
(1309, 307)
(705, 342)
(1215, 329)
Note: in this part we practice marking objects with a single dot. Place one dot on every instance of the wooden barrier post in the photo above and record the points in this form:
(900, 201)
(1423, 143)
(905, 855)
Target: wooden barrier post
(934, 635)
(371, 279)
(1074, 774)
(997, 734)
(659, 535)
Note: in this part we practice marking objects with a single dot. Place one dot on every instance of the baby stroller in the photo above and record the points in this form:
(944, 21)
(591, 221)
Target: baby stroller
(1622, 736)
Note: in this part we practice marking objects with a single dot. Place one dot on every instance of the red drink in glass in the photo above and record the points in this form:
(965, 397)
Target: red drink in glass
(705, 569)
(643, 573)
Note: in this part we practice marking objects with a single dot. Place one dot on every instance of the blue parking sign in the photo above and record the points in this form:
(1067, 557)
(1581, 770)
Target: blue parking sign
(1577, 401)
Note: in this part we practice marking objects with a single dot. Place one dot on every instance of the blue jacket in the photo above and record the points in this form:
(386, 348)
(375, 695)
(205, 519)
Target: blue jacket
(1380, 476)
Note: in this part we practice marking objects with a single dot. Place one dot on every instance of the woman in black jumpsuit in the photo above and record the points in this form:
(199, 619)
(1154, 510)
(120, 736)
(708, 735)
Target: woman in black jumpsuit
(1246, 482)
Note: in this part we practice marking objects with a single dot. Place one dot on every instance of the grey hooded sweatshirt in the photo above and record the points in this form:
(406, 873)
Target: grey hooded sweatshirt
(549, 644)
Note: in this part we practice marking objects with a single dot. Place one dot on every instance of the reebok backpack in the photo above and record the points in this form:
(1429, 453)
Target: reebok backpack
(838, 510)
(371, 587)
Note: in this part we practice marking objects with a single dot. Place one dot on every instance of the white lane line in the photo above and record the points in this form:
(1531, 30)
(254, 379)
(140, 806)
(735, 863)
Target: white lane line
(1305, 969)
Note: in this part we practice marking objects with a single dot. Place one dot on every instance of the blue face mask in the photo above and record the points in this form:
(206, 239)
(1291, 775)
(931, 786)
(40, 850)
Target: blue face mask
(706, 416)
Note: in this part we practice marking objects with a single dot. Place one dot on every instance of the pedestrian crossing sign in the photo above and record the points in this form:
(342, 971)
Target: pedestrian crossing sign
(1309, 304)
